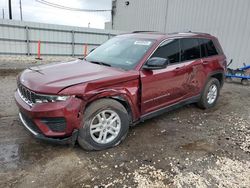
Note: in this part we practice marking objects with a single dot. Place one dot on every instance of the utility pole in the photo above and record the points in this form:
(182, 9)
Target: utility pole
(10, 12)
(21, 11)
(3, 12)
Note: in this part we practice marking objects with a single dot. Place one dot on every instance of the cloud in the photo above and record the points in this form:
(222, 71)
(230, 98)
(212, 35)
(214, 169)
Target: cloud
(37, 12)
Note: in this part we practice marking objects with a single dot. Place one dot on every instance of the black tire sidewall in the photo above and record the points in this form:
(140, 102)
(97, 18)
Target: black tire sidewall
(84, 132)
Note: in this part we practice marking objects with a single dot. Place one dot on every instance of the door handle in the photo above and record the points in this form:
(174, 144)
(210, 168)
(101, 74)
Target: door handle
(179, 68)
(205, 62)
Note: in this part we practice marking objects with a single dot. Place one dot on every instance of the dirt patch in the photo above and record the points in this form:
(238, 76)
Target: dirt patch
(188, 147)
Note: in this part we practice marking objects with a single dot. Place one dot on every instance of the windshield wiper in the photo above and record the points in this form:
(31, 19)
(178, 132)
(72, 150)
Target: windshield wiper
(100, 63)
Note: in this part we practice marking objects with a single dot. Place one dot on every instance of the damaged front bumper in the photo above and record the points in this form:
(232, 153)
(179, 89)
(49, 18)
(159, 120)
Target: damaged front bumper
(68, 140)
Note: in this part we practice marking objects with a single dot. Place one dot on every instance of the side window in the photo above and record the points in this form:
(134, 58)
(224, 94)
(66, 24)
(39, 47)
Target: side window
(190, 49)
(207, 48)
(169, 49)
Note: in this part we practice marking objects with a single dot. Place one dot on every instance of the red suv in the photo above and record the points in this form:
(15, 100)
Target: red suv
(130, 78)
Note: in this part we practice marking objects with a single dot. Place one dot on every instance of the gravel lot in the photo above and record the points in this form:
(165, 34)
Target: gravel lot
(188, 147)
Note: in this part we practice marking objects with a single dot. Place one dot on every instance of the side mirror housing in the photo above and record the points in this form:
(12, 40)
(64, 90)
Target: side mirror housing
(156, 63)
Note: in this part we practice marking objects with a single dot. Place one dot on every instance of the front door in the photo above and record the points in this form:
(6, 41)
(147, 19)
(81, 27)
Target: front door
(163, 87)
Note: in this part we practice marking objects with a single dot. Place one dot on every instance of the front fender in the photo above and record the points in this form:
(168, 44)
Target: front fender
(129, 97)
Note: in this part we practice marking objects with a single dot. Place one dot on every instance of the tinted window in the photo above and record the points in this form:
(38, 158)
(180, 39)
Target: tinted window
(207, 48)
(169, 49)
(190, 49)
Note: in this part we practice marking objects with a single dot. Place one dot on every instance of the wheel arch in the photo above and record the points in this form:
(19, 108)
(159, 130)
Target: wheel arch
(219, 75)
(119, 97)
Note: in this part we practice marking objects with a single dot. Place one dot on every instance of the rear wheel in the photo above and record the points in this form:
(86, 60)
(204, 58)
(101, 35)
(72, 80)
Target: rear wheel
(210, 94)
(244, 81)
(105, 125)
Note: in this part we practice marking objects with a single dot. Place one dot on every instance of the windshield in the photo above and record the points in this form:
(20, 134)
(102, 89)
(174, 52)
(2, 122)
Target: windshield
(120, 52)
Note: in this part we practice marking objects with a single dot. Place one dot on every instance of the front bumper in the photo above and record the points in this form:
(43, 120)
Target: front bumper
(42, 120)
(68, 140)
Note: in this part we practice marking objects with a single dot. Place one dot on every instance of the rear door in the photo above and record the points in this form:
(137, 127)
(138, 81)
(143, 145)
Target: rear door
(191, 58)
(211, 59)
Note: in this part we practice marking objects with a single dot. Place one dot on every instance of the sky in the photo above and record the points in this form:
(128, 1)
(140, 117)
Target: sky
(37, 12)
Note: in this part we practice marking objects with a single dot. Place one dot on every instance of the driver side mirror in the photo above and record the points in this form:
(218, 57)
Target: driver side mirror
(156, 63)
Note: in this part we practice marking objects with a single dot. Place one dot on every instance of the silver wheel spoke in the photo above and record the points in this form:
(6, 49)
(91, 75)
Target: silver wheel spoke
(104, 137)
(103, 115)
(111, 117)
(212, 94)
(99, 118)
(112, 132)
(96, 130)
(114, 127)
(113, 120)
(105, 126)
(100, 136)
(96, 126)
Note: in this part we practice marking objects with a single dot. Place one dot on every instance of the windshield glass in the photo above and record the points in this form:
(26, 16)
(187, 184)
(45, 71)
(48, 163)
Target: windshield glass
(120, 52)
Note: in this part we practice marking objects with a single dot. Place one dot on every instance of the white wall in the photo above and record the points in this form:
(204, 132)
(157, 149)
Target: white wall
(229, 20)
(57, 33)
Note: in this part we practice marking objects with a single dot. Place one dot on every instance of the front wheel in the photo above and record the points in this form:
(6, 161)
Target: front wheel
(105, 125)
(210, 94)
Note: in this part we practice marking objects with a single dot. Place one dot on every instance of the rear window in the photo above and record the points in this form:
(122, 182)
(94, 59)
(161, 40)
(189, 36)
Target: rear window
(190, 49)
(207, 48)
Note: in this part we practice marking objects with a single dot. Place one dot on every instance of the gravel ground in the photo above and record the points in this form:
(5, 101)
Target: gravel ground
(14, 64)
(188, 147)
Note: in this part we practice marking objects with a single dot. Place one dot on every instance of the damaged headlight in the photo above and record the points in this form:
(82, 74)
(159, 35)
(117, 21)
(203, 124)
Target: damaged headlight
(50, 98)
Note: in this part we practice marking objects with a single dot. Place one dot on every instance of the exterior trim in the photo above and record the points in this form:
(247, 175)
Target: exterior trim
(170, 108)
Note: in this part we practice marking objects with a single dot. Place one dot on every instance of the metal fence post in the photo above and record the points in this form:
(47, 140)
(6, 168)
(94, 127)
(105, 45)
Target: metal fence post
(108, 35)
(27, 40)
(73, 43)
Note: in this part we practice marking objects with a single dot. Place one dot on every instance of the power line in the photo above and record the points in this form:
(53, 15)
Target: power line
(70, 8)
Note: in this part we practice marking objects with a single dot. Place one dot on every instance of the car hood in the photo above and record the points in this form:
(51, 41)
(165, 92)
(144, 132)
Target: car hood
(52, 78)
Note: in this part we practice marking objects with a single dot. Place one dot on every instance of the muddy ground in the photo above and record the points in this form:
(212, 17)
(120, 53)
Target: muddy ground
(188, 147)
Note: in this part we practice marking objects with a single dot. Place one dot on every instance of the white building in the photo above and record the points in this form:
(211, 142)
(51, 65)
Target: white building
(229, 20)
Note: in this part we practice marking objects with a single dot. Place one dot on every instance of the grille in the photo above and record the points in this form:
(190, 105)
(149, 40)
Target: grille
(28, 96)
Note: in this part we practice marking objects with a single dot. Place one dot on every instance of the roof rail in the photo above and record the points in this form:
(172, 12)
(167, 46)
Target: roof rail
(142, 31)
(195, 32)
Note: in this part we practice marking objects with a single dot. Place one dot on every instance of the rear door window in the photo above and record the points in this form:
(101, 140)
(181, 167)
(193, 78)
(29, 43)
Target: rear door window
(169, 50)
(190, 49)
(207, 48)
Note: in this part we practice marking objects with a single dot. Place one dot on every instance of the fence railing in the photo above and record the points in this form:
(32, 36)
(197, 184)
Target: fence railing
(16, 39)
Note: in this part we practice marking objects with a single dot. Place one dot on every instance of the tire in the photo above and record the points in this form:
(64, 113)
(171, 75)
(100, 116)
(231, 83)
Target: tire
(96, 119)
(206, 101)
(244, 81)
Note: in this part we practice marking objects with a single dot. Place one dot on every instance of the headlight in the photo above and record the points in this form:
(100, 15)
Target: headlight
(50, 98)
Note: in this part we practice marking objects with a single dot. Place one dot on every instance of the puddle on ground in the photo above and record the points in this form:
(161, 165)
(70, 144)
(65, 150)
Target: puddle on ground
(199, 145)
(9, 156)
(13, 156)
